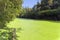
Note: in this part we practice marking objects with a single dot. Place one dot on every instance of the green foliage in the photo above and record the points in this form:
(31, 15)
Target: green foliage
(9, 9)
(50, 11)
(47, 4)
(5, 34)
(25, 12)
(48, 14)
(47, 9)
(8, 34)
(51, 14)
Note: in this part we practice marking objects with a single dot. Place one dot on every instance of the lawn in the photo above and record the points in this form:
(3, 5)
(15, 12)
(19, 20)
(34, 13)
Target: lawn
(36, 29)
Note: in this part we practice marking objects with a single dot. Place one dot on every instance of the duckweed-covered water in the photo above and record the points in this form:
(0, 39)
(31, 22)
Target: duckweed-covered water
(36, 29)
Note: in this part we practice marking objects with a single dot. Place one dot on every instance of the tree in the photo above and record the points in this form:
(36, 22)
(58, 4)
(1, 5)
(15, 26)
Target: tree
(25, 12)
(9, 9)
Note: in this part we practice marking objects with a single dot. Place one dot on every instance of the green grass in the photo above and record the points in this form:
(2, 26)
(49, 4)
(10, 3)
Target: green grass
(36, 29)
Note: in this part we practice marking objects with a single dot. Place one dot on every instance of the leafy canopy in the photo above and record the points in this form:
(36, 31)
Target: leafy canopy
(9, 9)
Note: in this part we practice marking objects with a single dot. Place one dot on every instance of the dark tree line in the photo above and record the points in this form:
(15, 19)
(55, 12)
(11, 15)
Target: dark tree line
(47, 4)
(47, 9)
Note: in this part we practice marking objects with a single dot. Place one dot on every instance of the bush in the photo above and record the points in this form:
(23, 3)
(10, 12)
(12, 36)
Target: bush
(9, 9)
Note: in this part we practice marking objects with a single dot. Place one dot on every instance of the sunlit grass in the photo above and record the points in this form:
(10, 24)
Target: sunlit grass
(36, 29)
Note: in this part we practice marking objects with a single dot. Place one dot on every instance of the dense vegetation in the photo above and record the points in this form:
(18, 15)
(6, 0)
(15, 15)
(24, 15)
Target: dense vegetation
(9, 9)
(47, 9)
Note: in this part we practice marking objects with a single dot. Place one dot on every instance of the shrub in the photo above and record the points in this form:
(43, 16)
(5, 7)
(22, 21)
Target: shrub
(9, 9)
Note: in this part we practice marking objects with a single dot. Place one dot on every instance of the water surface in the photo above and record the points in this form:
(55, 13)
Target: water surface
(37, 29)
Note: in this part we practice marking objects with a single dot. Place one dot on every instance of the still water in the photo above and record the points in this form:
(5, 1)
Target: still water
(37, 29)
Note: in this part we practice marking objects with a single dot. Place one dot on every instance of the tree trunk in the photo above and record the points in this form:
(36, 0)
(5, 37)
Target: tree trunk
(14, 34)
